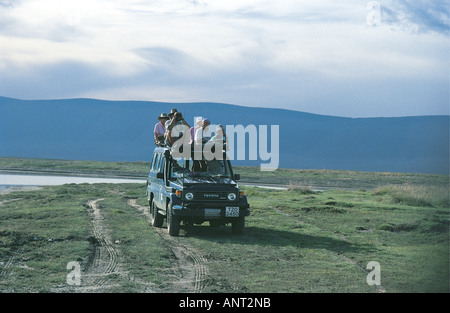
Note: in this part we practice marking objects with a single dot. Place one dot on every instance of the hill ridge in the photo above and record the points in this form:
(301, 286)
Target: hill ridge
(122, 130)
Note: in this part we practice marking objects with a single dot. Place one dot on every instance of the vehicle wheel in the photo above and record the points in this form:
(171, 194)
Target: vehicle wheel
(173, 222)
(157, 219)
(237, 227)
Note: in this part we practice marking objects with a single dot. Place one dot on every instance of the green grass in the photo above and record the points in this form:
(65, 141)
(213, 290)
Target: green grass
(322, 242)
(339, 178)
(298, 240)
(69, 167)
(295, 177)
(145, 253)
(293, 242)
(41, 231)
(417, 195)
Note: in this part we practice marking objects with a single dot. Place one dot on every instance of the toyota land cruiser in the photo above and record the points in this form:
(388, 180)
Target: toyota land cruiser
(192, 191)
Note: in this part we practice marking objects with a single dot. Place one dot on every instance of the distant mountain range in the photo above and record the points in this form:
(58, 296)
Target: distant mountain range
(89, 129)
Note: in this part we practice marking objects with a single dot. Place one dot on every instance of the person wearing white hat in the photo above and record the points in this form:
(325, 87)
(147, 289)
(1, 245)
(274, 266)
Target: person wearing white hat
(198, 124)
(201, 135)
(160, 129)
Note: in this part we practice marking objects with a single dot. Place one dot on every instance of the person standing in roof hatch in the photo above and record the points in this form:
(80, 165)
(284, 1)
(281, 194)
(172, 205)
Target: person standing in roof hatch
(198, 124)
(203, 134)
(160, 129)
(176, 123)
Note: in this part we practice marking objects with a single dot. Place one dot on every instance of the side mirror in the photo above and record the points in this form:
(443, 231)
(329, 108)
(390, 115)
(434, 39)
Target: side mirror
(160, 175)
(237, 177)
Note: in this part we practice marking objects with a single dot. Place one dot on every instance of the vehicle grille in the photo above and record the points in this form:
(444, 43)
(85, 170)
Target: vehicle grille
(211, 196)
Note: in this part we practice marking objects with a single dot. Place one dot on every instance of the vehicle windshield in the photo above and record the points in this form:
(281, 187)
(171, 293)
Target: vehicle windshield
(180, 167)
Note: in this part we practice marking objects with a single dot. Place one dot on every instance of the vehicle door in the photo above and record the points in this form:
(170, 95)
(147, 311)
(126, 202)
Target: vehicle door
(160, 182)
(152, 187)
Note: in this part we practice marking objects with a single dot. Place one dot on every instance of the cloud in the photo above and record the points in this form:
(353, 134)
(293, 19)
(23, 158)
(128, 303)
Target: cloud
(418, 15)
(295, 54)
(6, 4)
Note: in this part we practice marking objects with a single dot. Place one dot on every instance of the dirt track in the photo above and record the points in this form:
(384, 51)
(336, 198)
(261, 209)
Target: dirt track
(104, 269)
(191, 264)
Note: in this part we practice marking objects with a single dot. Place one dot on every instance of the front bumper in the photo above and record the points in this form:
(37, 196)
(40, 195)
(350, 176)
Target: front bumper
(209, 211)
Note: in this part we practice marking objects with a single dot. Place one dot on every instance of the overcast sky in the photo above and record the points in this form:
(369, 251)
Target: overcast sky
(346, 58)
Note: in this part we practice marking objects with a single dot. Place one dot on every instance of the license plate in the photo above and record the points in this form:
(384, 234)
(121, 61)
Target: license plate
(232, 211)
(212, 212)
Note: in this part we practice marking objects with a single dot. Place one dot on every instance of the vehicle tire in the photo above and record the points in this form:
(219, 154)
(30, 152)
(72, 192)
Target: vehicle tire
(173, 222)
(157, 218)
(237, 226)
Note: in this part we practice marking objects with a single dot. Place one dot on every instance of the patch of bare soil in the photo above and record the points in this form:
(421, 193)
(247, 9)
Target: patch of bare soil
(190, 263)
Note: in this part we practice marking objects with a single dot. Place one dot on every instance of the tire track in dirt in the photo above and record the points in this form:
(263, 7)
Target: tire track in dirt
(191, 263)
(7, 265)
(106, 261)
(104, 271)
(102, 263)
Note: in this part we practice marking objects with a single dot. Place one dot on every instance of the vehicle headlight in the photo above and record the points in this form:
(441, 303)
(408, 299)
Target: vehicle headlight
(231, 196)
(189, 196)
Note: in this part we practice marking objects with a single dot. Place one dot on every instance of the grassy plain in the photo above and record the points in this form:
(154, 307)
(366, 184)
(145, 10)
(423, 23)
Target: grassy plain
(296, 240)
(314, 178)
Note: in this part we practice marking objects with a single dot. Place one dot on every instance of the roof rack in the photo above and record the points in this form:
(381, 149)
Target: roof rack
(197, 150)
